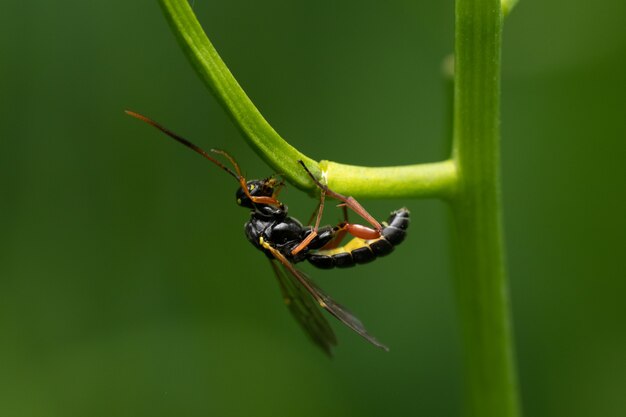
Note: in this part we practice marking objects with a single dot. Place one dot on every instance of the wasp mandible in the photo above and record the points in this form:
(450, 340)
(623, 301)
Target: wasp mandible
(285, 241)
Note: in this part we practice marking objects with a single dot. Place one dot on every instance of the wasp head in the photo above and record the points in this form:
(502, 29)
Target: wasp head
(256, 188)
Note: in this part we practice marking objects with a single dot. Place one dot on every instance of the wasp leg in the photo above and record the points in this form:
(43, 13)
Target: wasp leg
(355, 230)
(270, 201)
(341, 232)
(313, 214)
(347, 200)
(344, 228)
(278, 188)
(313, 233)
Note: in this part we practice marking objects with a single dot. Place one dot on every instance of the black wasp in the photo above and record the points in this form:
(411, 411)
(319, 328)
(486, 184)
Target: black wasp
(285, 241)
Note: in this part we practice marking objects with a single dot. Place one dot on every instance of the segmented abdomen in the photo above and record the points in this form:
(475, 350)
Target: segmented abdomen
(359, 251)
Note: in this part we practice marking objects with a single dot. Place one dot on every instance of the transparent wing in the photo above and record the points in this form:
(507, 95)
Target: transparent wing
(324, 300)
(343, 314)
(305, 310)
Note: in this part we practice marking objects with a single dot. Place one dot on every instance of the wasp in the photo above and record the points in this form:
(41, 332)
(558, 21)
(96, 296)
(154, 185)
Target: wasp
(286, 242)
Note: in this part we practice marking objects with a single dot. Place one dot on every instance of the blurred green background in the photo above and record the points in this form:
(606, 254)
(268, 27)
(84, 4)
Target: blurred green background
(127, 287)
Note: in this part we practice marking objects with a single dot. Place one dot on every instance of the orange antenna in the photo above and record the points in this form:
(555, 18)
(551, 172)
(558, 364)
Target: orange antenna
(188, 144)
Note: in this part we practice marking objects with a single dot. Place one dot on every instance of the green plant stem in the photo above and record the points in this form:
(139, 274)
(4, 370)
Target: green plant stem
(469, 182)
(507, 6)
(436, 179)
(481, 285)
(260, 135)
(421, 180)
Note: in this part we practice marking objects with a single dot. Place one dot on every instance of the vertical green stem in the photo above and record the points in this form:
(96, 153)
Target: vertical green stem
(481, 286)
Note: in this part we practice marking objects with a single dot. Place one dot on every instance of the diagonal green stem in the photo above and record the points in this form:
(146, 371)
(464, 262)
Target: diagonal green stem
(425, 180)
(260, 135)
